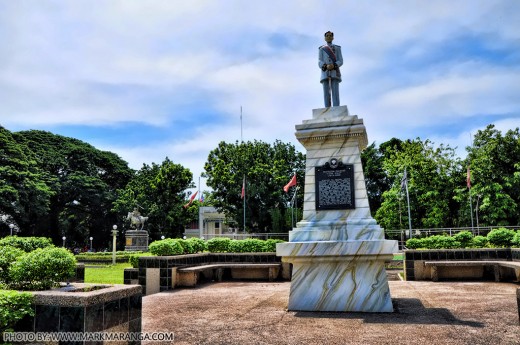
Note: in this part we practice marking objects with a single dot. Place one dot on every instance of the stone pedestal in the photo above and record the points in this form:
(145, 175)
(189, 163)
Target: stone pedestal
(337, 251)
(136, 240)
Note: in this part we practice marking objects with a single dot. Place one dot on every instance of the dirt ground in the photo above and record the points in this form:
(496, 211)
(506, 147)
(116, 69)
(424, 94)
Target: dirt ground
(255, 313)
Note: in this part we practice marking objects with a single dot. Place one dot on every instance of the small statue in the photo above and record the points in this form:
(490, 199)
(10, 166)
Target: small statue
(330, 60)
(136, 220)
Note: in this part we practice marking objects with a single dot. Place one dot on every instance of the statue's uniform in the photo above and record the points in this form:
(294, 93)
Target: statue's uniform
(334, 75)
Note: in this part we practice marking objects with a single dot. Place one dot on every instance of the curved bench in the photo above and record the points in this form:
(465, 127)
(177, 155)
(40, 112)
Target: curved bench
(190, 276)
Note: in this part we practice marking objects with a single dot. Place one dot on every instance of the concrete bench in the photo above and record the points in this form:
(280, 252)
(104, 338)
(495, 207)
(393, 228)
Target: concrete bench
(496, 265)
(190, 276)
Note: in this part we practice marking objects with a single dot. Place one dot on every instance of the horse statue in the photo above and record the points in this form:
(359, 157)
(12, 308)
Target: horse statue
(136, 220)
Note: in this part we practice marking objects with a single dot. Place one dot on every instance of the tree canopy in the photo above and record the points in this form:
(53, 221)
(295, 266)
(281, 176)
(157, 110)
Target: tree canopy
(158, 192)
(265, 169)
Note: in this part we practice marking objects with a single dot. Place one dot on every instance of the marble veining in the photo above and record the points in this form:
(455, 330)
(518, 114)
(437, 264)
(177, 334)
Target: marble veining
(338, 256)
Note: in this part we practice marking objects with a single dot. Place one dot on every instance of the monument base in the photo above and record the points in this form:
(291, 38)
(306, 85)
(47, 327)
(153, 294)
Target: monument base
(136, 240)
(339, 276)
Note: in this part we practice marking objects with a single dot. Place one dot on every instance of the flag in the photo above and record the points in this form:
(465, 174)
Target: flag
(243, 189)
(191, 199)
(404, 180)
(291, 183)
(468, 178)
(201, 197)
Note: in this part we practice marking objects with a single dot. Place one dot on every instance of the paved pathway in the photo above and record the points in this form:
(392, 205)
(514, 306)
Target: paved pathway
(255, 313)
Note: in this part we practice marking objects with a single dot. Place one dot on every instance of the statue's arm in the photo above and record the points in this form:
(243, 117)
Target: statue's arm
(321, 60)
(339, 57)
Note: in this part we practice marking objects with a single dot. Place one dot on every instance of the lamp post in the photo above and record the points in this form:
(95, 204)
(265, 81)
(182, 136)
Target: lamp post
(64, 238)
(11, 227)
(91, 238)
(114, 234)
(162, 237)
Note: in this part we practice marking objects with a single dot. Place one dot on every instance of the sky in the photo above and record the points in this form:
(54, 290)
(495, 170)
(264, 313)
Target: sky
(150, 79)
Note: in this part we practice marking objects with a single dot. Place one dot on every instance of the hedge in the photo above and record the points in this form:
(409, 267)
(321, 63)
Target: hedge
(215, 245)
(496, 238)
(42, 269)
(14, 306)
(27, 244)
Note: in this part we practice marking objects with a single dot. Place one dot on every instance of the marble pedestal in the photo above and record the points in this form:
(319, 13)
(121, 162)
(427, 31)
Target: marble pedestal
(338, 255)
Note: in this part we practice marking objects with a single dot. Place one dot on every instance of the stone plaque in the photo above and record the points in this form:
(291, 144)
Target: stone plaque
(334, 186)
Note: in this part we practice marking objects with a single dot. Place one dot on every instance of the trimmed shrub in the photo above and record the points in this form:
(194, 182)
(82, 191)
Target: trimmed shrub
(42, 269)
(480, 242)
(27, 244)
(501, 237)
(219, 244)
(440, 242)
(14, 306)
(187, 248)
(198, 245)
(516, 239)
(465, 238)
(165, 247)
(249, 245)
(414, 243)
(270, 245)
(8, 256)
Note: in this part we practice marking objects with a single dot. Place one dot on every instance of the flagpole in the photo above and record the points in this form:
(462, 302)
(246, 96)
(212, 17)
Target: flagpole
(470, 201)
(405, 179)
(244, 202)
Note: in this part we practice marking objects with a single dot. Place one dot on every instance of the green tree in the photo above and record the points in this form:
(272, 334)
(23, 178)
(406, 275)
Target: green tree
(266, 169)
(376, 178)
(431, 185)
(83, 182)
(24, 192)
(495, 176)
(159, 193)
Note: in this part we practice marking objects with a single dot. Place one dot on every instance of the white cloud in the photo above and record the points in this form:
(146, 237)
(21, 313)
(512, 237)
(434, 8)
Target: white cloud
(159, 62)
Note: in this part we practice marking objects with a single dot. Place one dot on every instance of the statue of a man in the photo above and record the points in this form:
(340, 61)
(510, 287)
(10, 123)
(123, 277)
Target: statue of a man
(330, 60)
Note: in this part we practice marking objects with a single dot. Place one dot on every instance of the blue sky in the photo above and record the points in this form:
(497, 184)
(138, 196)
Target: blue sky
(153, 79)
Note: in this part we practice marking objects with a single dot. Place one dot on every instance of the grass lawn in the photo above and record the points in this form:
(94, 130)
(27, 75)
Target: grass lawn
(105, 274)
(398, 256)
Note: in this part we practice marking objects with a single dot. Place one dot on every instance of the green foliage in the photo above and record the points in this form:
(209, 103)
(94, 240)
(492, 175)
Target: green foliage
(27, 244)
(515, 242)
(501, 237)
(250, 245)
(160, 191)
(8, 255)
(42, 269)
(440, 242)
(219, 245)
(14, 306)
(81, 183)
(495, 175)
(433, 242)
(198, 245)
(25, 192)
(166, 247)
(105, 256)
(465, 238)
(267, 169)
(430, 182)
(413, 243)
(270, 245)
(187, 248)
(480, 242)
(134, 259)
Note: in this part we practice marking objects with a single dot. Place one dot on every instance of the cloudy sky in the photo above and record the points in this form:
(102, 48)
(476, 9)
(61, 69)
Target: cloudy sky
(149, 79)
